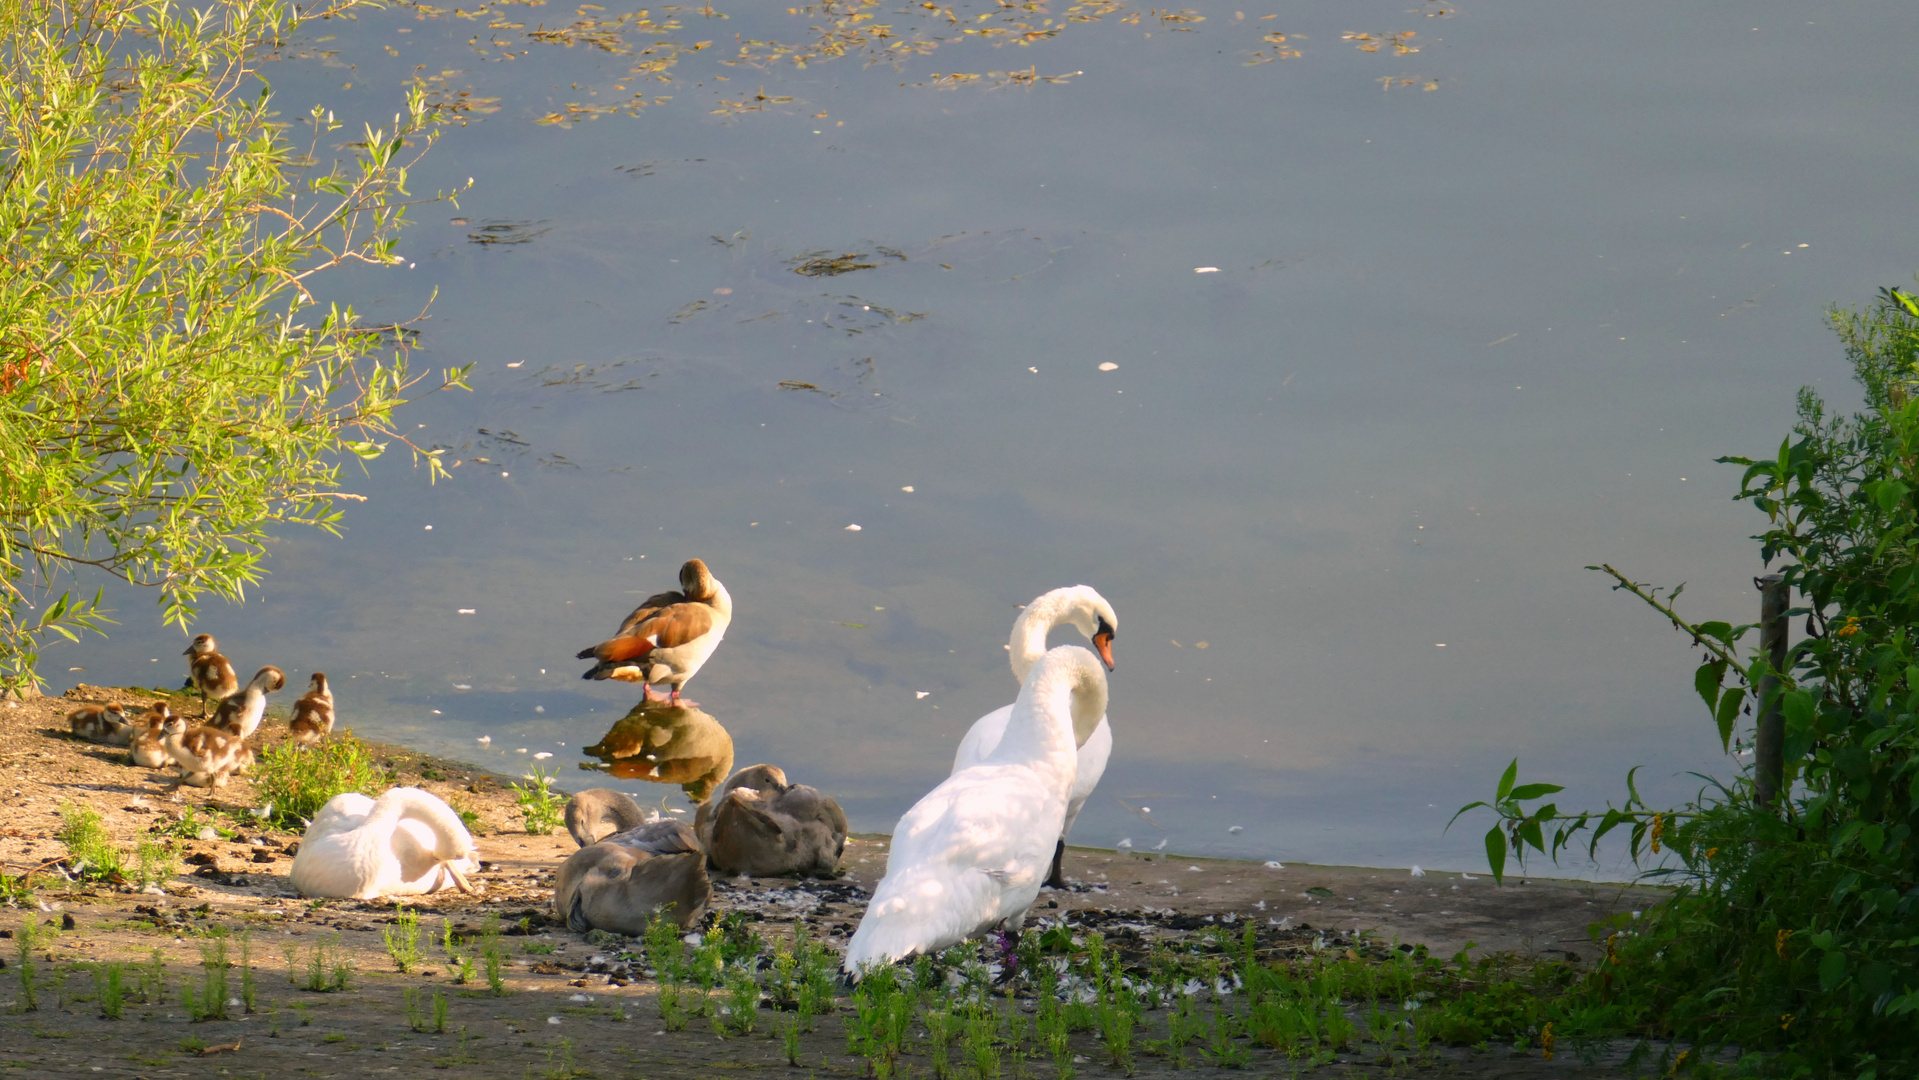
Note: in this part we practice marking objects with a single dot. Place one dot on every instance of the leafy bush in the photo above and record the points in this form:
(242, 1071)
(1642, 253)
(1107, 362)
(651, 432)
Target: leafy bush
(296, 782)
(169, 397)
(91, 851)
(539, 804)
(1794, 928)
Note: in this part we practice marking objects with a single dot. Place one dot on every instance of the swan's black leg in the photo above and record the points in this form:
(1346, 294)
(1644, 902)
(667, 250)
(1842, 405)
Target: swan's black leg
(1053, 878)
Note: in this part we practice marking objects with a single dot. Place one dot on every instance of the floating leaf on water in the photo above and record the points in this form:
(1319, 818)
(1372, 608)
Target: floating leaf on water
(508, 232)
(795, 384)
(820, 264)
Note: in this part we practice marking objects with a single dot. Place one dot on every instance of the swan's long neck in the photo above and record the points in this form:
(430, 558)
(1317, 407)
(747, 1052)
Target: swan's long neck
(1028, 642)
(1063, 693)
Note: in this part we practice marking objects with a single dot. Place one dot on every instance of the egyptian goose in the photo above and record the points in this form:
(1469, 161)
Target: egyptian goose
(619, 883)
(762, 826)
(206, 755)
(971, 854)
(240, 713)
(405, 842)
(103, 724)
(668, 637)
(1082, 607)
(313, 713)
(147, 750)
(209, 672)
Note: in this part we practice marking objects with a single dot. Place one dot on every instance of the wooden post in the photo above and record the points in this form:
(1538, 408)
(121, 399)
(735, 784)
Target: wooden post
(1769, 749)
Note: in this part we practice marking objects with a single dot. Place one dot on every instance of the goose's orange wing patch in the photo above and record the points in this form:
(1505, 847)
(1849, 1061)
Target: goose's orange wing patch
(678, 624)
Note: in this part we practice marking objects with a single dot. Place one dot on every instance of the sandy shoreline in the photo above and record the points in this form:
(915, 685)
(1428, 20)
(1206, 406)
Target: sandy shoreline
(241, 882)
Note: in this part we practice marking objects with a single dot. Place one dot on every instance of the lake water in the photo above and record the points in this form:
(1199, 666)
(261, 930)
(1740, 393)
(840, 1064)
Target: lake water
(1470, 318)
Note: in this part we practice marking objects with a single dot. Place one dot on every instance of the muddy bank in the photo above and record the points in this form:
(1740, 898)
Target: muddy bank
(574, 1007)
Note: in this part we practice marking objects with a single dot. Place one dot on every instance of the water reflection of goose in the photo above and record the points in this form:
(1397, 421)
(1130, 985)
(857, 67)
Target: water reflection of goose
(970, 855)
(617, 882)
(405, 842)
(668, 637)
(1083, 607)
(668, 744)
(760, 825)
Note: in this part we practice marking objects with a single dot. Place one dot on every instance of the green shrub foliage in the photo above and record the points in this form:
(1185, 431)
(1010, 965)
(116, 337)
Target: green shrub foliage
(172, 387)
(1793, 933)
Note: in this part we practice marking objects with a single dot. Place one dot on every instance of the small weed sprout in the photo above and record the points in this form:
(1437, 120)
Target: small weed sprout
(743, 995)
(154, 863)
(91, 853)
(249, 994)
(415, 1018)
(328, 967)
(493, 955)
(153, 979)
(539, 804)
(109, 986)
(939, 1035)
(439, 1013)
(403, 940)
(25, 939)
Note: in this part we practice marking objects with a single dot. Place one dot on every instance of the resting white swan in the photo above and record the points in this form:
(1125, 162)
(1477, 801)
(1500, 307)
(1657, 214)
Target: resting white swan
(970, 855)
(406, 841)
(1083, 607)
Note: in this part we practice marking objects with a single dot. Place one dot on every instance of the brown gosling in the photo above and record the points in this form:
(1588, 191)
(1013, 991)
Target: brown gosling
(209, 672)
(103, 724)
(206, 755)
(313, 713)
(148, 751)
(240, 713)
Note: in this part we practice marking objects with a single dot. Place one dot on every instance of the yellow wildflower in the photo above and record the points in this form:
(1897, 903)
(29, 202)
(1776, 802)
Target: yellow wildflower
(1785, 1021)
(1658, 830)
(1849, 628)
(1546, 1041)
(1779, 946)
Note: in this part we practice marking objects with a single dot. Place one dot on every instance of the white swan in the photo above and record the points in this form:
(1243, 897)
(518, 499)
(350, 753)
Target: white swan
(406, 841)
(970, 855)
(1083, 607)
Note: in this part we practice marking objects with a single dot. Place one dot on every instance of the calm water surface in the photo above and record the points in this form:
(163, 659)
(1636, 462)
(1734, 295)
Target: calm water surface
(1460, 342)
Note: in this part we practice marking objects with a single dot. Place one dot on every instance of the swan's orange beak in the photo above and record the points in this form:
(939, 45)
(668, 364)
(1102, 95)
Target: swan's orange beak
(1103, 641)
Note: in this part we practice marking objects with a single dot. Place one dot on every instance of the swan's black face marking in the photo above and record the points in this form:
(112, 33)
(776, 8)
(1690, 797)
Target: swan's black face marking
(1103, 641)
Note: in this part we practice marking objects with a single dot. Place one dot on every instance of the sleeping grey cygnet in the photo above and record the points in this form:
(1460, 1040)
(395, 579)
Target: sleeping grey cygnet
(760, 825)
(618, 883)
(601, 812)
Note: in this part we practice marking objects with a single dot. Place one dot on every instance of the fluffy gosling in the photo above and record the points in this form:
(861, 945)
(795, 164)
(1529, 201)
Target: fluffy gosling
(209, 672)
(207, 756)
(103, 724)
(148, 751)
(313, 713)
(240, 714)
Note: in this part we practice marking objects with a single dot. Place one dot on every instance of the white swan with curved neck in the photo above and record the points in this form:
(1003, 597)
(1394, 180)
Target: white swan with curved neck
(1082, 607)
(970, 855)
(405, 842)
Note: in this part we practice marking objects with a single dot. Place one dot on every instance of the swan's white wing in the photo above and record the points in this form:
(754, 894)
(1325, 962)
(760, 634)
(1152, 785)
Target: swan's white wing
(342, 812)
(966, 856)
(981, 738)
(1092, 765)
